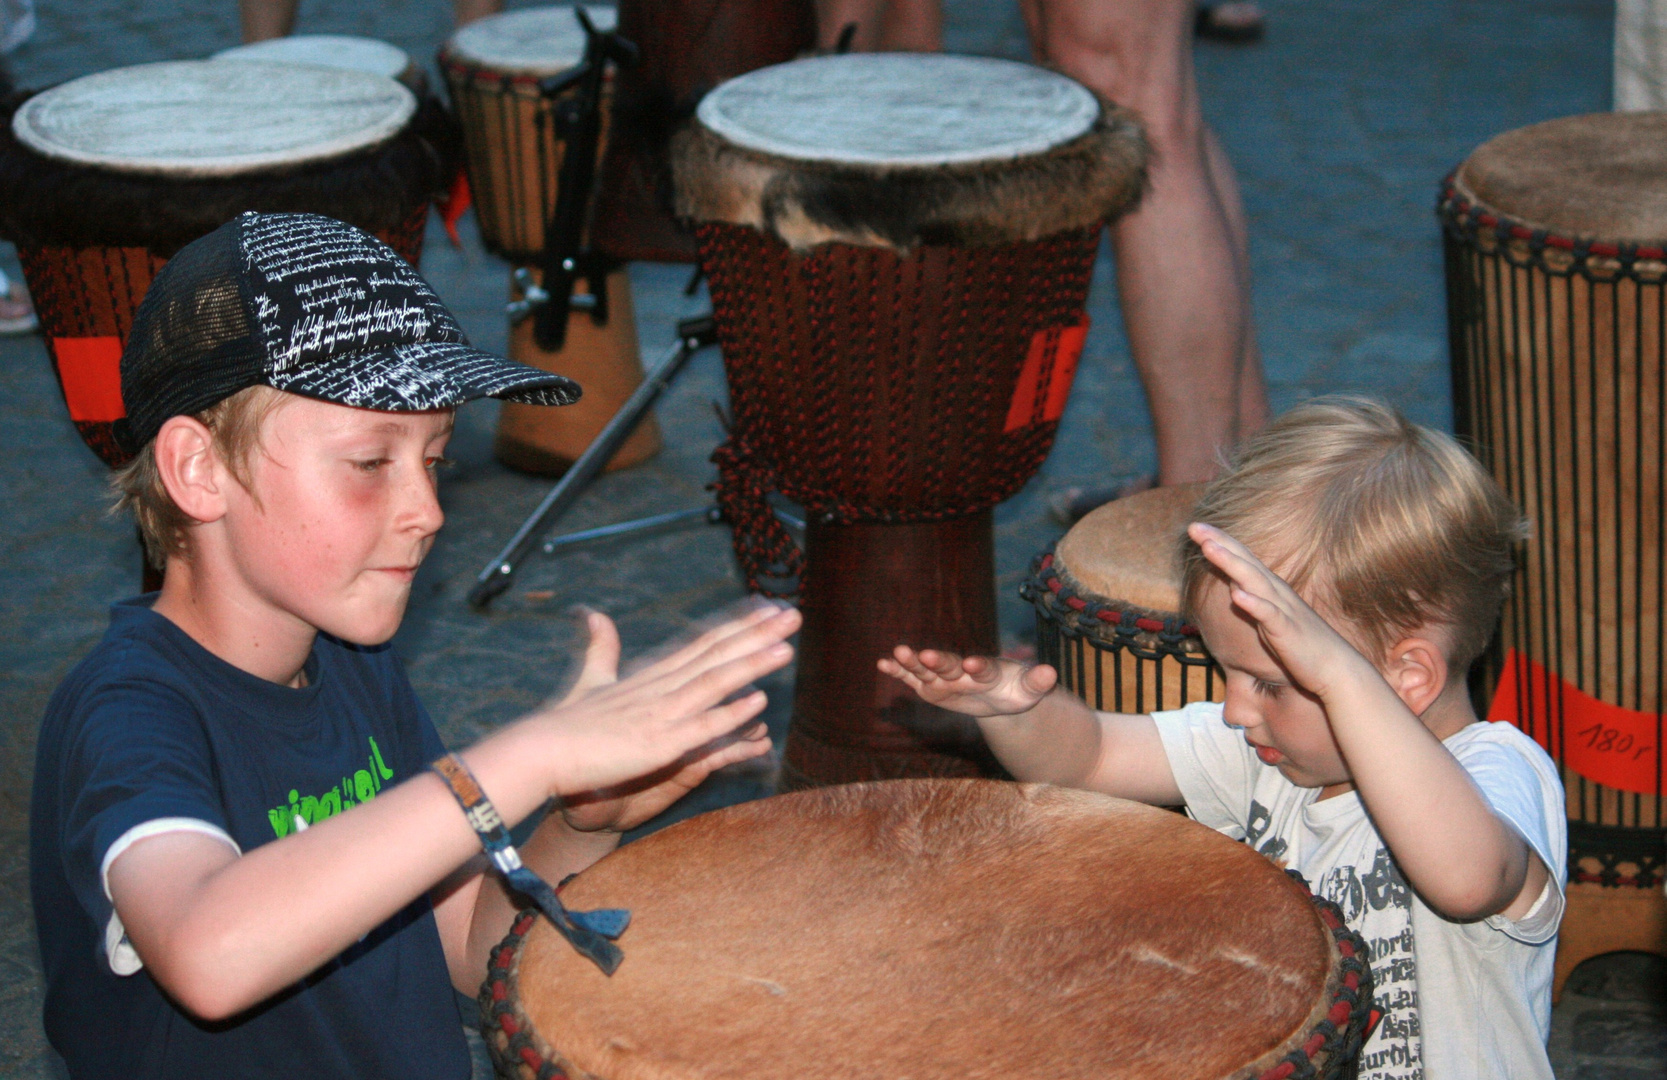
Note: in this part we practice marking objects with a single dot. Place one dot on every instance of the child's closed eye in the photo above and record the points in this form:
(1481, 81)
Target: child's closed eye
(370, 465)
(1268, 689)
(436, 463)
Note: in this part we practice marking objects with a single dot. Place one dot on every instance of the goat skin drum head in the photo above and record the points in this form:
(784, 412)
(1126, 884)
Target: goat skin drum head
(533, 41)
(204, 118)
(928, 930)
(325, 50)
(899, 109)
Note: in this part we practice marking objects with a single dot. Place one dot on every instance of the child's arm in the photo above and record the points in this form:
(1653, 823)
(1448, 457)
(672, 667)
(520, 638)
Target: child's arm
(1461, 857)
(220, 933)
(1040, 732)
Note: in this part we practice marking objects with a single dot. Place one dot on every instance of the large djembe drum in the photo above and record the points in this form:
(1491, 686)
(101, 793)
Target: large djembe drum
(514, 152)
(335, 51)
(937, 930)
(103, 178)
(899, 249)
(687, 48)
(1108, 607)
(1556, 250)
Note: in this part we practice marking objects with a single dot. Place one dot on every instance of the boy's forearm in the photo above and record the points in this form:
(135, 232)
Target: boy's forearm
(1056, 741)
(1453, 849)
(262, 921)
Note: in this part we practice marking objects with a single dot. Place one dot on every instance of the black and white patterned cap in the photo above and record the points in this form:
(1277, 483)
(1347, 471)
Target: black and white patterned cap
(312, 306)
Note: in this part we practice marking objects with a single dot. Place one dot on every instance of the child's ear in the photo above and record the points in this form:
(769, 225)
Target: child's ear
(190, 469)
(1417, 670)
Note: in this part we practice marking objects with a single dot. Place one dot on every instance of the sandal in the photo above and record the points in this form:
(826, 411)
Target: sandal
(1239, 22)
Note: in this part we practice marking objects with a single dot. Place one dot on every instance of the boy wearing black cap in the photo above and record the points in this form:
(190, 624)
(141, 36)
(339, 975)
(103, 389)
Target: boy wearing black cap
(239, 862)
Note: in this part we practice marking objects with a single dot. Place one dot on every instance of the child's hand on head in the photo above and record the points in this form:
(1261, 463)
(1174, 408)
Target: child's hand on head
(973, 685)
(1307, 646)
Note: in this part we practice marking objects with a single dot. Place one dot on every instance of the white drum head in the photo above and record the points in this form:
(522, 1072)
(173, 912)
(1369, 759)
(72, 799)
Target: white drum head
(899, 109)
(204, 118)
(326, 50)
(533, 41)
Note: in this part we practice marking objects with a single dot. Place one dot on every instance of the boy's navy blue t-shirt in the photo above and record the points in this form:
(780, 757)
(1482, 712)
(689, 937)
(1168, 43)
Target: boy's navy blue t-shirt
(151, 732)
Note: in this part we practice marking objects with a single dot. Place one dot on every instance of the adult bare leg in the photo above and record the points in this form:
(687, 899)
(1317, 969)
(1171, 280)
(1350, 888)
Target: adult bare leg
(262, 19)
(882, 25)
(465, 12)
(1253, 390)
(1182, 274)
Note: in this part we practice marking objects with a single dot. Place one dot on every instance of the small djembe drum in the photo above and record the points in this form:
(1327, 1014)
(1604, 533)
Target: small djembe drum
(1556, 251)
(899, 249)
(513, 152)
(1108, 607)
(687, 48)
(104, 177)
(937, 930)
(335, 51)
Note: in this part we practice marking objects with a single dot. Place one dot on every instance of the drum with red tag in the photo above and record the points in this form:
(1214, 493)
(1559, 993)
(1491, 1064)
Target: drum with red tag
(899, 248)
(103, 178)
(937, 930)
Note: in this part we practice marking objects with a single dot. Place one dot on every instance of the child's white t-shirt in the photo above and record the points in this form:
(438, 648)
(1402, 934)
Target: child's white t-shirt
(1459, 1000)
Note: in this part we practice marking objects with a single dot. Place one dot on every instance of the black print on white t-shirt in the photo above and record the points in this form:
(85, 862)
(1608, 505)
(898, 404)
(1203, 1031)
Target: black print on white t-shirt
(1257, 827)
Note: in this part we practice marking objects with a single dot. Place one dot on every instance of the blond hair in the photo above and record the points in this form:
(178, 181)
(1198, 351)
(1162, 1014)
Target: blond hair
(236, 425)
(1375, 520)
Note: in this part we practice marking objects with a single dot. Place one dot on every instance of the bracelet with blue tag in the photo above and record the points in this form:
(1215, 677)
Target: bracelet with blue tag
(590, 932)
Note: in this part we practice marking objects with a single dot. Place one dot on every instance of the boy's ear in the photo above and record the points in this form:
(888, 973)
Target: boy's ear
(190, 469)
(1416, 668)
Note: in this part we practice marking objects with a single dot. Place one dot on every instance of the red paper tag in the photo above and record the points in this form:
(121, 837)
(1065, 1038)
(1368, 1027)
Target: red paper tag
(91, 370)
(1045, 379)
(1600, 741)
(458, 199)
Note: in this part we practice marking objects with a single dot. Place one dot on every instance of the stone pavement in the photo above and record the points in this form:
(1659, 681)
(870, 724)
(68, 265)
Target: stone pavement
(1341, 126)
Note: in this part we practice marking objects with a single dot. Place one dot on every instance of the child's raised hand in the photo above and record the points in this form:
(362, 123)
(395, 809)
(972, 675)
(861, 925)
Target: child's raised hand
(685, 708)
(1304, 643)
(973, 685)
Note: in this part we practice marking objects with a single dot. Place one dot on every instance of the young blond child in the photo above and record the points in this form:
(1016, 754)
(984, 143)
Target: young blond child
(1344, 572)
(240, 863)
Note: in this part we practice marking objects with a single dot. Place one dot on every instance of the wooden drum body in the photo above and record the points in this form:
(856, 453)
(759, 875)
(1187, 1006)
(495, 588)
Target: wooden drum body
(901, 306)
(936, 930)
(1108, 607)
(1556, 251)
(103, 178)
(513, 154)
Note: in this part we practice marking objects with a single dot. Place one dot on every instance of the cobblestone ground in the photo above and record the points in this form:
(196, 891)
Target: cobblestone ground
(1341, 126)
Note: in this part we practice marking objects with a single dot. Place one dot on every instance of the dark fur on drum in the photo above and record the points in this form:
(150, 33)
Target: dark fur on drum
(1088, 180)
(44, 202)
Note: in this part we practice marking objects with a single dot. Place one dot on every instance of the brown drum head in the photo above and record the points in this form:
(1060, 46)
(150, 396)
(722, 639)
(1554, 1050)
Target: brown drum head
(1601, 176)
(1125, 551)
(934, 930)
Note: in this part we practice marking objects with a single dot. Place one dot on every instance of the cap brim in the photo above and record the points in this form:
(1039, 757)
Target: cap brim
(419, 377)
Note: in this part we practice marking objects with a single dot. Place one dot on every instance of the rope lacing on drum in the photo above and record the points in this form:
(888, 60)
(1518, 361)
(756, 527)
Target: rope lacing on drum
(515, 1052)
(1127, 624)
(763, 546)
(1550, 252)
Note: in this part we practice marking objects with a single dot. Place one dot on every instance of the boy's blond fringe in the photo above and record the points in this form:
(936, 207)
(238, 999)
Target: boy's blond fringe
(164, 527)
(1381, 523)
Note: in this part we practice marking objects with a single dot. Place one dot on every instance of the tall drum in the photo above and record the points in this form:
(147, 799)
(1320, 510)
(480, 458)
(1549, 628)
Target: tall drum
(513, 153)
(1556, 250)
(899, 249)
(104, 177)
(1108, 607)
(937, 930)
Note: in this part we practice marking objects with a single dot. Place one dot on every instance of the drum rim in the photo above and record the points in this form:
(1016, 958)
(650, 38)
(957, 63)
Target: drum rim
(455, 50)
(1085, 116)
(1469, 216)
(1336, 1026)
(374, 135)
(1114, 621)
(272, 50)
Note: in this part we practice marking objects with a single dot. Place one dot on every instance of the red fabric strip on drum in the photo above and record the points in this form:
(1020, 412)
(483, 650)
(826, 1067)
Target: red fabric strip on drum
(1045, 380)
(90, 369)
(1602, 742)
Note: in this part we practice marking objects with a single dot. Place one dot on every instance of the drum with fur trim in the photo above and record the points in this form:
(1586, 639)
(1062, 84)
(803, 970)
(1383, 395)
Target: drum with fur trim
(1108, 607)
(937, 930)
(899, 249)
(104, 177)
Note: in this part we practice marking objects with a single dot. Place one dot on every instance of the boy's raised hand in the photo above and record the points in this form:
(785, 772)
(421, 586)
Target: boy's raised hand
(973, 685)
(669, 724)
(1308, 647)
